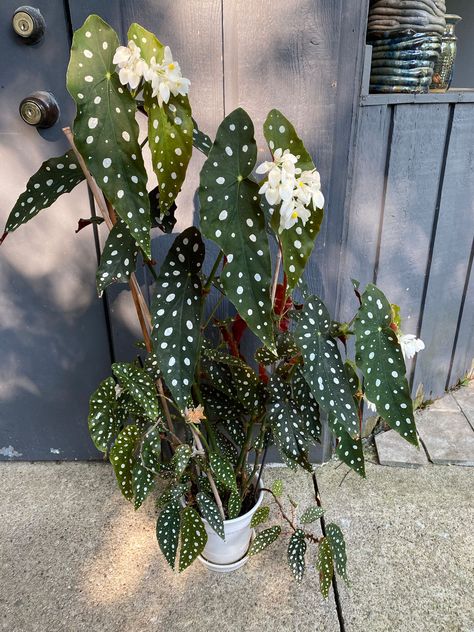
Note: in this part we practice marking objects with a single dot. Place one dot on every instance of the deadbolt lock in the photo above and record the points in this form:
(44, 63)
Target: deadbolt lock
(40, 109)
(29, 24)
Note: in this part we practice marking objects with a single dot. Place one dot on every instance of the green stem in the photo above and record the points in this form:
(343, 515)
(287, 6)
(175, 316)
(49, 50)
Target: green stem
(213, 272)
(214, 309)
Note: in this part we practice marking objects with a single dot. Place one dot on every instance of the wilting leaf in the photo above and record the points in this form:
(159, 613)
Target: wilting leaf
(83, 223)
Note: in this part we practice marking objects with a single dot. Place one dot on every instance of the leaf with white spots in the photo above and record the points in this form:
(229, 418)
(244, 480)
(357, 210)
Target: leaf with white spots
(142, 481)
(264, 539)
(170, 127)
(171, 493)
(296, 553)
(105, 130)
(223, 471)
(167, 531)
(55, 177)
(181, 458)
(297, 242)
(325, 566)
(323, 367)
(379, 357)
(349, 450)
(176, 311)
(219, 375)
(227, 448)
(193, 537)
(223, 411)
(164, 221)
(311, 514)
(277, 487)
(307, 406)
(140, 387)
(122, 459)
(201, 140)
(234, 504)
(338, 546)
(152, 367)
(104, 415)
(118, 258)
(260, 516)
(287, 427)
(232, 218)
(151, 450)
(210, 512)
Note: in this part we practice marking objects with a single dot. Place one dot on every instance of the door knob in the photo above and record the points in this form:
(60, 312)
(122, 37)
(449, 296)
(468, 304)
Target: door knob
(40, 109)
(29, 24)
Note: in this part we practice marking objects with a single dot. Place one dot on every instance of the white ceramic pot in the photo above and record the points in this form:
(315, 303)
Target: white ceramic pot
(229, 554)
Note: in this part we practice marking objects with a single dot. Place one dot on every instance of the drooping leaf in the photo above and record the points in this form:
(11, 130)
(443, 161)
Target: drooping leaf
(277, 487)
(338, 546)
(264, 539)
(232, 218)
(234, 504)
(311, 514)
(143, 481)
(307, 406)
(105, 130)
(379, 357)
(139, 385)
(223, 471)
(323, 367)
(122, 459)
(104, 416)
(118, 258)
(176, 311)
(90, 221)
(171, 493)
(167, 530)
(55, 176)
(260, 516)
(296, 553)
(193, 537)
(349, 450)
(201, 141)
(297, 242)
(151, 450)
(181, 458)
(210, 512)
(325, 566)
(170, 127)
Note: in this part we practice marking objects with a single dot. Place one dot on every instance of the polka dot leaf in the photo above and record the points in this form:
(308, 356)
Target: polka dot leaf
(220, 376)
(152, 367)
(311, 514)
(296, 553)
(122, 459)
(55, 177)
(224, 411)
(264, 539)
(307, 406)
(349, 450)
(118, 258)
(170, 127)
(223, 471)
(167, 530)
(379, 357)
(193, 537)
(176, 311)
(234, 504)
(232, 218)
(171, 493)
(210, 512)
(227, 448)
(180, 459)
(338, 546)
(297, 242)
(277, 487)
(140, 387)
(325, 566)
(260, 516)
(104, 415)
(323, 367)
(151, 450)
(143, 482)
(105, 129)
(201, 141)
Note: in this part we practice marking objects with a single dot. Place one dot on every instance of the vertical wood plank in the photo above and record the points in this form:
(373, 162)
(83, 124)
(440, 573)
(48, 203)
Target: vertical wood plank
(463, 357)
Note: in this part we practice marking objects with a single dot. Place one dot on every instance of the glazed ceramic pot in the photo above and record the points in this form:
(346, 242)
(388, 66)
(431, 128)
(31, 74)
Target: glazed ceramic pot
(443, 70)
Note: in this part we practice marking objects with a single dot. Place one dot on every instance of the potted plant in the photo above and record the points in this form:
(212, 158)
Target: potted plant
(191, 409)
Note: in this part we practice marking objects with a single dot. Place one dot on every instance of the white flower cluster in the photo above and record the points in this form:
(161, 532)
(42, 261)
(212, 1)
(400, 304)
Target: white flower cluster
(294, 188)
(411, 345)
(165, 77)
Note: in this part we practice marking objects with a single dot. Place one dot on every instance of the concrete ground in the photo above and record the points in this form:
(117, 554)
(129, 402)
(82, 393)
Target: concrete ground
(75, 556)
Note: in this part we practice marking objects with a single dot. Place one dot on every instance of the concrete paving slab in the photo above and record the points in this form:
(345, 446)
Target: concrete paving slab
(465, 398)
(75, 556)
(394, 451)
(446, 403)
(447, 436)
(410, 547)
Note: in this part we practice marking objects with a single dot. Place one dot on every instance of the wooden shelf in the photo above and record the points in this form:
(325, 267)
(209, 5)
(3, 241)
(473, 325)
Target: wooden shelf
(457, 95)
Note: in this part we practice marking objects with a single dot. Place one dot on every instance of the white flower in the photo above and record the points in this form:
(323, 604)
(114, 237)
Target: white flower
(410, 345)
(132, 66)
(308, 188)
(370, 405)
(280, 181)
(118, 391)
(291, 211)
(166, 78)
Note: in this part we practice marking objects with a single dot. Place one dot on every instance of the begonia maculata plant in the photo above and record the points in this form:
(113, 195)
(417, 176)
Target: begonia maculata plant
(190, 408)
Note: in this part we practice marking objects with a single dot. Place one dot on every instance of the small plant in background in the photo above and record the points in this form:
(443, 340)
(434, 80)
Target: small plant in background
(192, 409)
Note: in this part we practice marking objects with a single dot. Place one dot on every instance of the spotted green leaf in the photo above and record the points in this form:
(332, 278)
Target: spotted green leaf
(338, 546)
(223, 471)
(176, 311)
(193, 537)
(234, 504)
(307, 406)
(264, 539)
(227, 448)
(323, 367)
(104, 415)
(379, 357)
(277, 487)
(325, 566)
(296, 553)
(171, 493)
(210, 512)
(105, 130)
(245, 383)
(311, 514)
(297, 242)
(231, 217)
(167, 530)
(201, 141)
(142, 481)
(170, 127)
(122, 459)
(118, 258)
(151, 450)
(349, 450)
(260, 516)
(55, 177)
(139, 385)
(226, 412)
(152, 366)
(220, 376)
(181, 458)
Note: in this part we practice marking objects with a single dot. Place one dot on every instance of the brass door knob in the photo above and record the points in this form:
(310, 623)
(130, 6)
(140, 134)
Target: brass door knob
(29, 24)
(40, 109)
